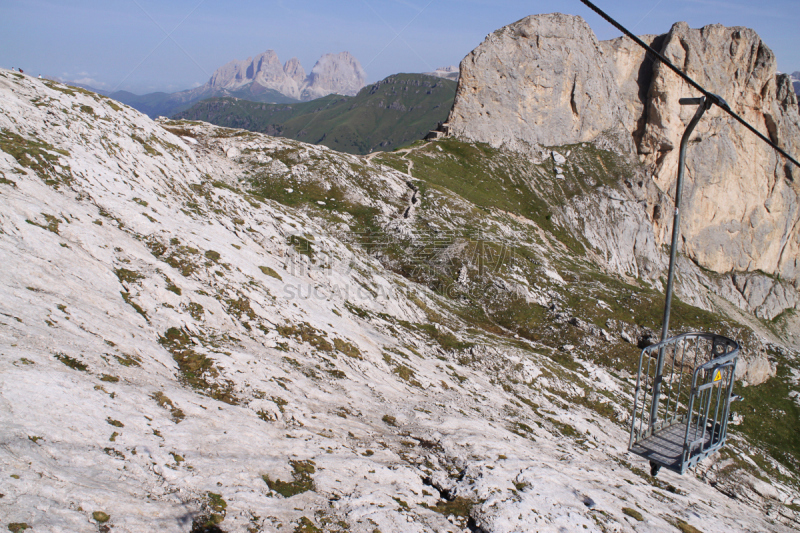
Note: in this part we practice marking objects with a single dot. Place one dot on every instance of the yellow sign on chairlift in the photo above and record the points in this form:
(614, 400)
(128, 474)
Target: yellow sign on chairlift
(717, 376)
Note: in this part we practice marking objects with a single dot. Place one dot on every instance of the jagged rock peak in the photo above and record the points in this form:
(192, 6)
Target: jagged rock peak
(265, 70)
(334, 73)
(741, 208)
(295, 71)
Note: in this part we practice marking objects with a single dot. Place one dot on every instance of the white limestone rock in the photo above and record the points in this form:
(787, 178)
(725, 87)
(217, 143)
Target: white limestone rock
(540, 81)
(334, 73)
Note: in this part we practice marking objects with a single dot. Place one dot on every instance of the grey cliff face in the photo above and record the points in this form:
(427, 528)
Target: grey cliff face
(741, 207)
(295, 71)
(333, 73)
(540, 81)
(547, 81)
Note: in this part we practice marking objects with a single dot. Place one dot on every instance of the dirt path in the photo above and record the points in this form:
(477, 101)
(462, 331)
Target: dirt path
(404, 151)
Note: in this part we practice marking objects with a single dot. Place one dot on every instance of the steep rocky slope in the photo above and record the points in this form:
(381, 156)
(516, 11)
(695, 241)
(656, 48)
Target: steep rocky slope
(546, 80)
(210, 328)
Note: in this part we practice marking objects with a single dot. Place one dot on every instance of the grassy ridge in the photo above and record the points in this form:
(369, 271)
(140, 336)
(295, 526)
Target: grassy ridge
(166, 104)
(382, 116)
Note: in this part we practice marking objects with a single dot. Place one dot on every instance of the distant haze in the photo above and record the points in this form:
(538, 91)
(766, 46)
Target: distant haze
(147, 46)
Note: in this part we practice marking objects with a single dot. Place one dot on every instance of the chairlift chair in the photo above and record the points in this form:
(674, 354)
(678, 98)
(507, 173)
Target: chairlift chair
(684, 383)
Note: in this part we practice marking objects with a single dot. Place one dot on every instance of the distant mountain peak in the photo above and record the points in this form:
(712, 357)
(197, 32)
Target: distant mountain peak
(295, 71)
(333, 73)
(451, 72)
(262, 78)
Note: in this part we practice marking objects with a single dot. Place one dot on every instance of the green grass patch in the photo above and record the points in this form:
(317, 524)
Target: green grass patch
(71, 362)
(446, 340)
(301, 482)
(346, 348)
(216, 502)
(685, 527)
(301, 245)
(127, 297)
(240, 307)
(127, 276)
(633, 513)
(492, 179)
(771, 420)
(163, 401)
(147, 146)
(128, 360)
(37, 156)
(267, 271)
(196, 370)
(306, 333)
(195, 310)
(208, 522)
(171, 287)
(457, 507)
(565, 429)
(305, 525)
(51, 225)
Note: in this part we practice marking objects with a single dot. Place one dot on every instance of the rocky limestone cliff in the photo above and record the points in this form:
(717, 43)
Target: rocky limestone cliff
(334, 73)
(741, 207)
(545, 80)
(540, 81)
(295, 71)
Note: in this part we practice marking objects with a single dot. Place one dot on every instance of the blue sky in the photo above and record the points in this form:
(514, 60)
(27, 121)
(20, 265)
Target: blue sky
(170, 45)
